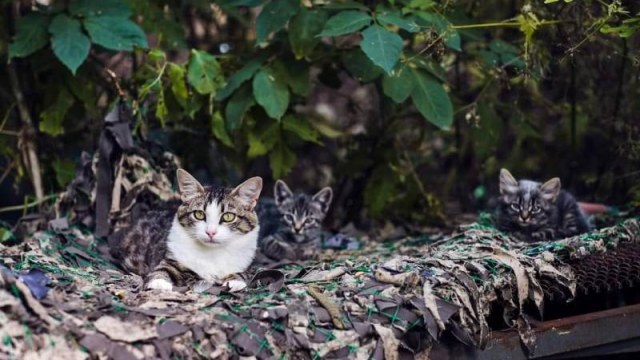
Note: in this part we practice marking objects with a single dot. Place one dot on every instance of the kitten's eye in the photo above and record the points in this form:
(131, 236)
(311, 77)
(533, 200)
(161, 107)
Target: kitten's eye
(515, 207)
(536, 209)
(199, 215)
(288, 218)
(308, 221)
(228, 217)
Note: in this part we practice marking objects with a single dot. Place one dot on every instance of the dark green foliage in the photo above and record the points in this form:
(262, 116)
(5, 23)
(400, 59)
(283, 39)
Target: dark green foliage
(104, 23)
(400, 99)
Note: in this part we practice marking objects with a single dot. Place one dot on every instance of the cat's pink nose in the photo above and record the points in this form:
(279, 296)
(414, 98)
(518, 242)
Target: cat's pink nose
(211, 232)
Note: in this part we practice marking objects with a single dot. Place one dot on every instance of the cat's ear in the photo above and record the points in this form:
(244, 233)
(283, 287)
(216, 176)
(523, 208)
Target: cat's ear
(188, 185)
(323, 197)
(281, 192)
(508, 184)
(248, 192)
(551, 189)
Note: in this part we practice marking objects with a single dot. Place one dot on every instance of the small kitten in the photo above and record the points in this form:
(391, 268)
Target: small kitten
(294, 230)
(538, 212)
(209, 236)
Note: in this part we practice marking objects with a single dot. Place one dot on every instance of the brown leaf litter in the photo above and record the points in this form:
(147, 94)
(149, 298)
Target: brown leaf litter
(388, 300)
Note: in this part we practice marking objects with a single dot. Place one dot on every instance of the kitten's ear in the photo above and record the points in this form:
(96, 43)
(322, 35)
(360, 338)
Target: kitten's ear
(281, 192)
(323, 197)
(551, 189)
(188, 185)
(508, 184)
(248, 192)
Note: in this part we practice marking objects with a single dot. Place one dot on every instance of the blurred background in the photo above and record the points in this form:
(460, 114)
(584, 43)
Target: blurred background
(407, 108)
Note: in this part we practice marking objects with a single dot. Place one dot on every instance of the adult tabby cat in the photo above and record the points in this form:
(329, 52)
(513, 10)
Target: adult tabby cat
(537, 212)
(209, 236)
(293, 223)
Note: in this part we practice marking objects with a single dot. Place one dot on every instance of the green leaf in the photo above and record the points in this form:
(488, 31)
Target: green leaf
(325, 129)
(274, 16)
(295, 75)
(6, 234)
(238, 3)
(31, 35)
(241, 101)
(394, 17)
(53, 116)
(433, 67)
(346, 22)
(161, 107)
(421, 4)
(164, 25)
(204, 72)
(69, 43)
(360, 66)
(432, 100)
(442, 26)
(218, 129)
(115, 33)
(256, 146)
(65, 171)
(381, 46)
(380, 189)
(86, 8)
(178, 85)
(261, 142)
(281, 160)
(271, 93)
(239, 77)
(84, 91)
(399, 84)
(303, 30)
(300, 127)
(345, 5)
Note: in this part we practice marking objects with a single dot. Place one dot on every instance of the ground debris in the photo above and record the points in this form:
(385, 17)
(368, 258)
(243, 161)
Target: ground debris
(386, 300)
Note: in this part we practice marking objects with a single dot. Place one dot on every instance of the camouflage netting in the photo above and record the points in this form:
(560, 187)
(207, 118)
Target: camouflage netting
(385, 300)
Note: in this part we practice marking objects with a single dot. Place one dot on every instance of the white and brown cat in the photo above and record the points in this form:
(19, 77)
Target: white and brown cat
(211, 235)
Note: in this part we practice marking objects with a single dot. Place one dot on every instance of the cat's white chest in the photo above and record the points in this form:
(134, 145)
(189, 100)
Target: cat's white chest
(213, 263)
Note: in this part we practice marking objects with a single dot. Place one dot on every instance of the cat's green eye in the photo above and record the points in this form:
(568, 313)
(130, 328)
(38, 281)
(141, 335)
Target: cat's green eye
(228, 217)
(199, 215)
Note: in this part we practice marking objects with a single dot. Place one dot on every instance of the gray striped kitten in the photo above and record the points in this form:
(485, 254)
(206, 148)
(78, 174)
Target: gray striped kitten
(538, 212)
(211, 235)
(293, 228)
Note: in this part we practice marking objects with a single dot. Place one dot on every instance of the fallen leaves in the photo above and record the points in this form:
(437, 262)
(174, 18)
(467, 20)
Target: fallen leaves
(371, 304)
(116, 329)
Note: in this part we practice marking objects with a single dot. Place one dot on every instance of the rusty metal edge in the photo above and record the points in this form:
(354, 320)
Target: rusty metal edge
(599, 333)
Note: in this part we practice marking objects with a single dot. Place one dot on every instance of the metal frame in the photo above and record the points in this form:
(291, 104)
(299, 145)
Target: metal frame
(608, 332)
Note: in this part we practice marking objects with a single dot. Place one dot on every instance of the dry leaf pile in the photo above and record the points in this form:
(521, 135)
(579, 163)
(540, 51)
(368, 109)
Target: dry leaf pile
(388, 299)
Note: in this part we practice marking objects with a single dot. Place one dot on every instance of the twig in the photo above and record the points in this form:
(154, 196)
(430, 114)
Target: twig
(331, 307)
(28, 205)
(29, 150)
(501, 24)
(116, 82)
(7, 170)
(9, 132)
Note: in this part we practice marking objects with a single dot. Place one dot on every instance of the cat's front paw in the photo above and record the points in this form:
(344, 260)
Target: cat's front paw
(159, 284)
(235, 285)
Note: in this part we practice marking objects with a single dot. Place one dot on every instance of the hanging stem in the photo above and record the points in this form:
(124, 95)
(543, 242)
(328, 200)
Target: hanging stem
(28, 133)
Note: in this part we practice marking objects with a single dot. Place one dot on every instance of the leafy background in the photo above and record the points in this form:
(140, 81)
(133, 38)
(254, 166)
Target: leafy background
(407, 108)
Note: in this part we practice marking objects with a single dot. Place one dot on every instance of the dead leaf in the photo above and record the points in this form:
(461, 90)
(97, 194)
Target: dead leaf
(389, 342)
(119, 330)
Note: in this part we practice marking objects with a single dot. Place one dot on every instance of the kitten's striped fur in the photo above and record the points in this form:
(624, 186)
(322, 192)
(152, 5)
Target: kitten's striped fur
(294, 223)
(538, 212)
(209, 236)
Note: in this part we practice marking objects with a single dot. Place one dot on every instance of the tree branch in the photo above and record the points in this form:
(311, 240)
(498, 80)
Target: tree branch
(28, 147)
